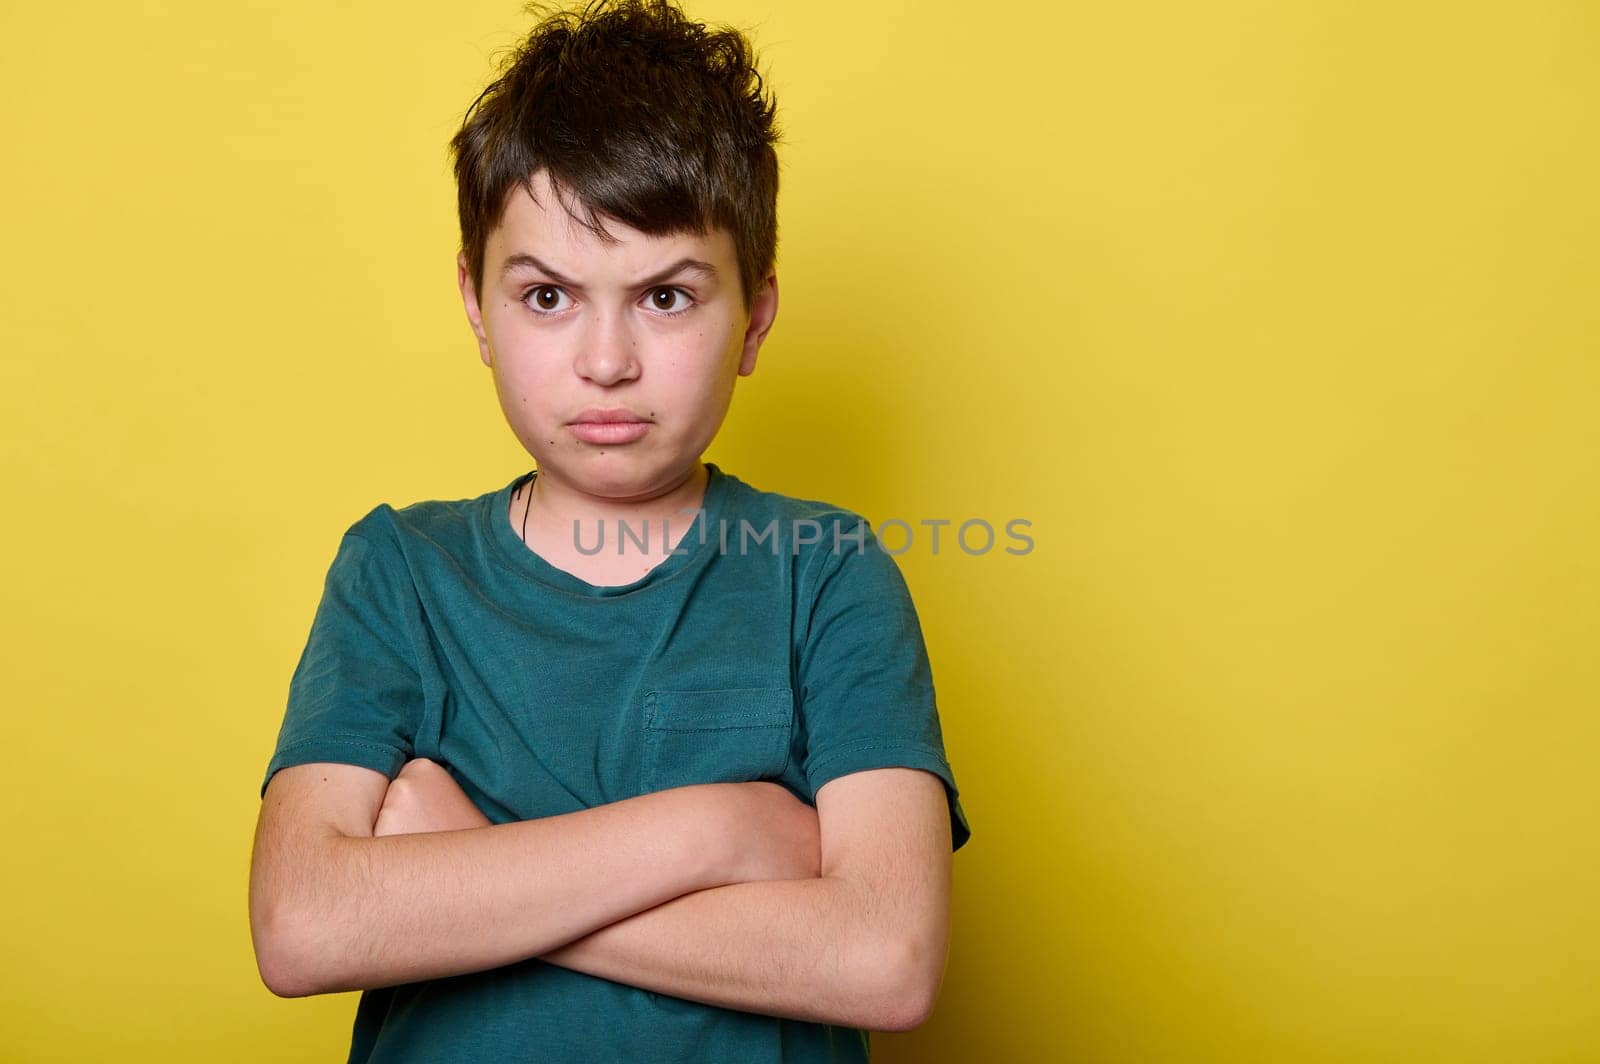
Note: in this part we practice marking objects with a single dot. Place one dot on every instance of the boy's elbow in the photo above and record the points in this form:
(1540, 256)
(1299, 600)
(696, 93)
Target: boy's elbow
(287, 966)
(913, 1005)
(906, 989)
(291, 952)
(284, 980)
(296, 938)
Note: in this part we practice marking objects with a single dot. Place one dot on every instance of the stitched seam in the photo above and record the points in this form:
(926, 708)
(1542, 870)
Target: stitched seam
(335, 740)
(833, 752)
(720, 727)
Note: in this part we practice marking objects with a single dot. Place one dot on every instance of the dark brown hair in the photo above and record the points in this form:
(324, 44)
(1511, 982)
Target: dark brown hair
(641, 115)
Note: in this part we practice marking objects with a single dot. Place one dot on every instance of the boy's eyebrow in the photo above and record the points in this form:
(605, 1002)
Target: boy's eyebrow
(705, 269)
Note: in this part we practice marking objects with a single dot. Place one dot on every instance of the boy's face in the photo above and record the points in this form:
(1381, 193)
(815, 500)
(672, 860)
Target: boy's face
(626, 326)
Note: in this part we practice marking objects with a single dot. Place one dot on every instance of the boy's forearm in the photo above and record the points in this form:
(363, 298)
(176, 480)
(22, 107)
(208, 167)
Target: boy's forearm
(804, 949)
(373, 912)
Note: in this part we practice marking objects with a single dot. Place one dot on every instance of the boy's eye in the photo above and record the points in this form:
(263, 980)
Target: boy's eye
(544, 298)
(665, 299)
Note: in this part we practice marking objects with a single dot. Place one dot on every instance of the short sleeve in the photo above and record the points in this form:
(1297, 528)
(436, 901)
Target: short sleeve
(867, 695)
(355, 696)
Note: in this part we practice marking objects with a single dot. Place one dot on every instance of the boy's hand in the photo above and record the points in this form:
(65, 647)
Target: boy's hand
(773, 834)
(424, 797)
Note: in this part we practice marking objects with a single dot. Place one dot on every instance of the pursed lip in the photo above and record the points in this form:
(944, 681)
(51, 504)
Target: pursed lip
(610, 415)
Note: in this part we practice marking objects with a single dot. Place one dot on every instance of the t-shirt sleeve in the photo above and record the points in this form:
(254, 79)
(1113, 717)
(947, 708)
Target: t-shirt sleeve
(867, 695)
(355, 697)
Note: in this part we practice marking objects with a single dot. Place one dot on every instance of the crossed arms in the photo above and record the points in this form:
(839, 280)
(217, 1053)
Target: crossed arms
(732, 894)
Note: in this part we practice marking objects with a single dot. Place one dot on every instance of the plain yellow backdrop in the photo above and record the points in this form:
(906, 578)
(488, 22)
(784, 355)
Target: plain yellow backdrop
(1277, 321)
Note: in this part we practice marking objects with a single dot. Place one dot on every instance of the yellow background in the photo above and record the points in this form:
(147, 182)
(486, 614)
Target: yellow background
(1277, 321)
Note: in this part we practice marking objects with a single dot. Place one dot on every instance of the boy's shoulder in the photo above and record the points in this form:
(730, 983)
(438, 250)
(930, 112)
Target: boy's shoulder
(800, 526)
(744, 497)
(426, 518)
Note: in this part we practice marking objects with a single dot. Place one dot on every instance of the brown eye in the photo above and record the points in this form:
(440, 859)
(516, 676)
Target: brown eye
(544, 299)
(667, 301)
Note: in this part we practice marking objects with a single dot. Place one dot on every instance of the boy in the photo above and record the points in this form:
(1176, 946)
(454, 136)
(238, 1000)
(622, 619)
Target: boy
(686, 801)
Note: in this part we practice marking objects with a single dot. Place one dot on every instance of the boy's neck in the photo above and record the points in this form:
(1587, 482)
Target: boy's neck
(551, 506)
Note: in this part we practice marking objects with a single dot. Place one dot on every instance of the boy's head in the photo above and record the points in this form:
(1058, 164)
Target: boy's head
(617, 189)
(637, 114)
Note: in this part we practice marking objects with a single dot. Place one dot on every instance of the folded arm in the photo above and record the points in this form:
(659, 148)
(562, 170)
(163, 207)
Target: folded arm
(861, 945)
(335, 906)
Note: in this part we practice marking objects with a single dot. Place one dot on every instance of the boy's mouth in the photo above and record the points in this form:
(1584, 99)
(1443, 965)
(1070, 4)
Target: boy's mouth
(612, 432)
(608, 416)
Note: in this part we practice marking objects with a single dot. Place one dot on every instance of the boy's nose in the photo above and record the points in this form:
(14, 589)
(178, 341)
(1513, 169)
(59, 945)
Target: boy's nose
(608, 353)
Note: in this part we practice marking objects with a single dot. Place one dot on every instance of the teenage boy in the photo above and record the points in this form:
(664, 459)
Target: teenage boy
(683, 801)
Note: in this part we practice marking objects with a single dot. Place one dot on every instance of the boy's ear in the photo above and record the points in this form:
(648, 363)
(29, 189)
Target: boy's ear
(762, 313)
(469, 298)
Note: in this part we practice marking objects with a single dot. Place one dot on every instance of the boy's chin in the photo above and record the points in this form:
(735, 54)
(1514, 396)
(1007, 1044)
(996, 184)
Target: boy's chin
(619, 472)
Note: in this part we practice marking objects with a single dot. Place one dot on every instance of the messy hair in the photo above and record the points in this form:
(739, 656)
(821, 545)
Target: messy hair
(639, 114)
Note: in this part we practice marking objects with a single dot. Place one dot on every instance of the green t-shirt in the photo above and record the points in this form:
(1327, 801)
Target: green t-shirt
(778, 642)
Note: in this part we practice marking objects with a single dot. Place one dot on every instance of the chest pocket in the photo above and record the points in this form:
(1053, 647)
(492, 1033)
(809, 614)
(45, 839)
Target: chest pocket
(732, 736)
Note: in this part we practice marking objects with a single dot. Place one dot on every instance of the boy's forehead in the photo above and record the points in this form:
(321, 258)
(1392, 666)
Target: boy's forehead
(543, 228)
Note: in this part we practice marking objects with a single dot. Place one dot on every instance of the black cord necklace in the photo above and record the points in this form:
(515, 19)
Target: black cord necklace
(527, 505)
